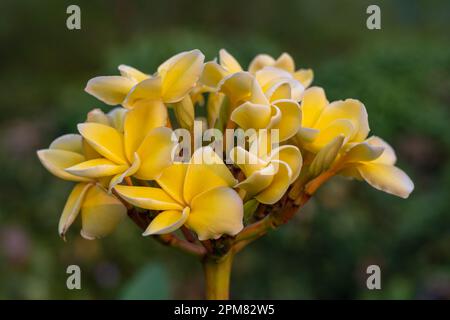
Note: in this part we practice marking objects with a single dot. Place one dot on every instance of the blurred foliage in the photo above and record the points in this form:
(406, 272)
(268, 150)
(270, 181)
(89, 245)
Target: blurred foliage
(401, 73)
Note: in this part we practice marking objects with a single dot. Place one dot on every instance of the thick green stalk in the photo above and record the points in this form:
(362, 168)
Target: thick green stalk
(217, 276)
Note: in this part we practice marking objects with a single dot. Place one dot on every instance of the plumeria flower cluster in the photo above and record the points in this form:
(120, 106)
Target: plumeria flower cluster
(124, 161)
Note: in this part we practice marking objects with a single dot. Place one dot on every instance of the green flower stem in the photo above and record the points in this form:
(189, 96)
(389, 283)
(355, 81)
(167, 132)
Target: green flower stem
(217, 276)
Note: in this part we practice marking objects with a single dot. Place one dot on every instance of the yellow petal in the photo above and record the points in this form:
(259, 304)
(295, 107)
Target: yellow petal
(251, 115)
(167, 221)
(68, 142)
(206, 171)
(105, 140)
(237, 86)
(172, 180)
(229, 62)
(111, 90)
(279, 185)
(131, 170)
(132, 73)
(257, 181)
(147, 90)
(313, 103)
(139, 121)
(291, 156)
(72, 207)
(388, 156)
(212, 74)
(307, 135)
(304, 76)
(215, 102)
(96, 168)
(361, 152)
(98, 116)
(285, 62)
(210, 217)
(156, 153)
(291, 118)
(117, 118)
(101, 213)
(325, 136)
(180, 74)
(248, 162)
(387, 178)
(269, 76)
(56, 161)
(148, 198)
(281, 90)
(351, 110)
(259, 62)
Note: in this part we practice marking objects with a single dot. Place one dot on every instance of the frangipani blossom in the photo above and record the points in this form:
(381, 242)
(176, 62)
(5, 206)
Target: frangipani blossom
(100, 211)
(374, 161)
(261, 113)
(215, 75)
(143, 150)
(283, 62)
(198, 195)
(172, 82)
(269, 173)
(323, 121)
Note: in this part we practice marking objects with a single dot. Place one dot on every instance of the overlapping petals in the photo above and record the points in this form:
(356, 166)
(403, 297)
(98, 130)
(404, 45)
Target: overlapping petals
(193, 195)
(268, 175)
(374, 161)
(173, 81)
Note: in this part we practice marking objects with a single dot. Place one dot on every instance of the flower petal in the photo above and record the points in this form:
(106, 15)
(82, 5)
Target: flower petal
(304, 76)
(167, 221)
(56, 161)
(206, 171)
(101, 213)
(388, 156)
(362, 152)
(132, 73)
(148, 198)
(313, 103)
(139, 121)
(117, 118)
(291, 156)
(291, 118)
(180, 74)
(248, 162)
(285, 62)
(251, 115)
(147, 90)
(212, 74)
(172, 180)
(105, 140)
(279, 185)
(325, 136)
(257, 181)
(210, 218)
(237, 86)
(111, 90)
(229, 62)
(131, 170)
(72, 207)
(351, 110)
(96, 168)
(156, 153)
(387, 178)
(259, 62)
(68, 142)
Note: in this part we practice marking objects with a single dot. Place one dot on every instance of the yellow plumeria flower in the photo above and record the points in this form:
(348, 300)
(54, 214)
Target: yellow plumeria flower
(100, 211)
(172, 82)
(323, 121)
(374, 161)
(284, 62)
(229, 73)
(143, 150)
(269, 173)
(198, 194)
(261, 113)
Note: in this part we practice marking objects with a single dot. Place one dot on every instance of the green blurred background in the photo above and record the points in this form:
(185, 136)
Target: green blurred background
(401, 73)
